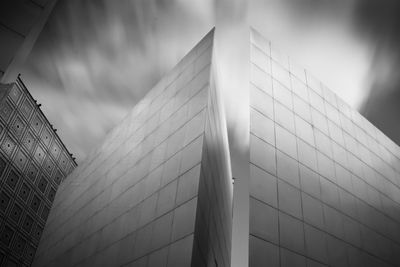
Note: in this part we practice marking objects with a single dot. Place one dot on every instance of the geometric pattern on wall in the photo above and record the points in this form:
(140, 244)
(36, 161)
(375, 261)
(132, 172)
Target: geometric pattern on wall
(27, 108)
(24, 192)
(12, 179)
(35, 203)
(30, 173)
(17, 128)
(5, 111)
(46, 136)
(29, 141)
(5, 200)
(28, 224)
(3, 165)
(20, 159)
(7, 145)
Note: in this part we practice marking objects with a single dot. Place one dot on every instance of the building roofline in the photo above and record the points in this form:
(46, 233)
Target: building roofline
(20, 82)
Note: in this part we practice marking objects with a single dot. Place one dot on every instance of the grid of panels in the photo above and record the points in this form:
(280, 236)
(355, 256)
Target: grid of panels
(27, 187)
(134, 201)
(324, 182)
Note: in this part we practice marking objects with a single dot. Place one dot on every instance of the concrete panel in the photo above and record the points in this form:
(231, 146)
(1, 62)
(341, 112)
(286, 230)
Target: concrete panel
(142, 186)
(338, 178)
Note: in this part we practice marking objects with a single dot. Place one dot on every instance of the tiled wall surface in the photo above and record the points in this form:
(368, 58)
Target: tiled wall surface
(33, 162)
(325, 183)
(139, 199)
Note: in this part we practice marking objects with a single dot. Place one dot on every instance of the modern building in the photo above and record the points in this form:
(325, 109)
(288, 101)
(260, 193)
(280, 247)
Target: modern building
(321, 184)
(158, 190)
(33, 163)
(324, 182)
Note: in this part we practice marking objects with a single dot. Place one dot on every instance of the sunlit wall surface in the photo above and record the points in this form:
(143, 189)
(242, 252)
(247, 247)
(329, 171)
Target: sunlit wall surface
(156, 192)
(33, 163)
(325, 183)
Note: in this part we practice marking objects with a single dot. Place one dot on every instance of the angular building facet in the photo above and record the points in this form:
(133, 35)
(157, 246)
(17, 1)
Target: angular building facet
(323, 184)
(33, 163)
(157, 192)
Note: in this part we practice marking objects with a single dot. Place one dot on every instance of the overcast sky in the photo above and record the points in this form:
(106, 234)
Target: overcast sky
(96, 58)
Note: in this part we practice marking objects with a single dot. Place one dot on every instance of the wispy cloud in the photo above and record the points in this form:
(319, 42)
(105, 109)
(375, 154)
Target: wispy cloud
(96, 58)
(105, 55)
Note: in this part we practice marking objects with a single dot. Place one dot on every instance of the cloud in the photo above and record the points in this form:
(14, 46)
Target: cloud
(319, 36)
(351, 46)
(101, 52)
(81, 122)
(97, 55)
(378, 23)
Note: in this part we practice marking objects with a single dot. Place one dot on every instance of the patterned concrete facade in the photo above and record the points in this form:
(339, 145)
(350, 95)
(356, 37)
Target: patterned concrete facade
(157, 192)
(33, 163)
(325, 183)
